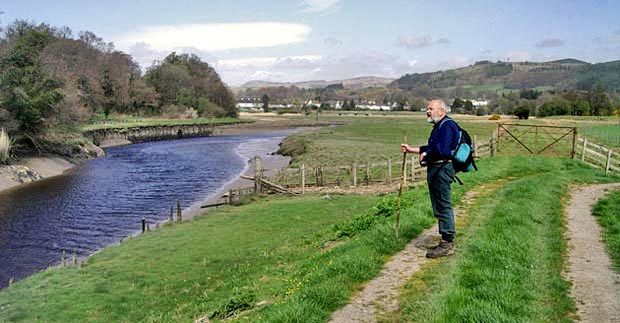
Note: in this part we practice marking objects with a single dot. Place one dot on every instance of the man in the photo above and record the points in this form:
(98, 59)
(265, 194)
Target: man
(440, 173)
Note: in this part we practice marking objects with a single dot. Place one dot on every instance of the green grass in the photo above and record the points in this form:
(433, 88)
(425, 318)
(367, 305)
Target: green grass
(287, 254)
(607, 135)
(372, 139)
(608, 212)
(509, 261)
(303, 258)
(193, 269)
(130, 122)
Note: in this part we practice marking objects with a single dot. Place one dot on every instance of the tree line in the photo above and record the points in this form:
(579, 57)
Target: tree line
(49, 77)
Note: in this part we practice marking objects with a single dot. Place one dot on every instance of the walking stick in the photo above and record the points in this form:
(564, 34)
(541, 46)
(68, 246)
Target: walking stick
(400, 188)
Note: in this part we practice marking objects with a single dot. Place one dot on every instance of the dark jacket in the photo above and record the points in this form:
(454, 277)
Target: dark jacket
(443, 139)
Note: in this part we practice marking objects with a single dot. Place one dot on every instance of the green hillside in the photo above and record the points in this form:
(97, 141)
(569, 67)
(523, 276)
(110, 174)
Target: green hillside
(560, 74)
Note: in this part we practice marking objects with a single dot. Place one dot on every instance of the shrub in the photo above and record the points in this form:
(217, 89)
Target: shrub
(522, 112)
(495, 117)
(5, 146)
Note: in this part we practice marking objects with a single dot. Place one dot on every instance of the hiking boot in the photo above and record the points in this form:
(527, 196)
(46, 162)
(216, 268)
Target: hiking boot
(444, 248)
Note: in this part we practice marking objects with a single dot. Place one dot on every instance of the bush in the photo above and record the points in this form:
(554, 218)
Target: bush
(5, 147)
(495, 117)
(522, 112)
(242, 300)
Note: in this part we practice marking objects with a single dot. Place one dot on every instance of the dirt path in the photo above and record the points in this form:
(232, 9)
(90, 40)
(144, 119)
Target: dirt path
(380, 296)
(596, 287)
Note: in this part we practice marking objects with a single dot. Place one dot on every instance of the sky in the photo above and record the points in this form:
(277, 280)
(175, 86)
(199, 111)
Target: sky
(302, 40)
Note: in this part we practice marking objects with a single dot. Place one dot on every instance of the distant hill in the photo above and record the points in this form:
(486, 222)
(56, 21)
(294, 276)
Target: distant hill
(569, 61)
(559, 74)
(353, 83)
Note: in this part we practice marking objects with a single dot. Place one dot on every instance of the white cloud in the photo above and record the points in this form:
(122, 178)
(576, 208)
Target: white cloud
(317, 6)
(420, 41)
(216, 37)
(265, 61)
(311, 67)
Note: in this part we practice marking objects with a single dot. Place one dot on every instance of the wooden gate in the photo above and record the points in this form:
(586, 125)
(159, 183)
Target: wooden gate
(536, 140)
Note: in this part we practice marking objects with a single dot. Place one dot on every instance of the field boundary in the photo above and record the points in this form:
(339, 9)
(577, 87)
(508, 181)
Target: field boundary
(598, 156)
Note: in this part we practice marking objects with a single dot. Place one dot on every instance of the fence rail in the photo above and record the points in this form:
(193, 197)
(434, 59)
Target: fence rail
(598, 156)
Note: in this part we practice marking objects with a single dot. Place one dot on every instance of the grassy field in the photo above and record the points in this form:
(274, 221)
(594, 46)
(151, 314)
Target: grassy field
(219, 263)
(372, 138)
(130, 122)
(608, 135)
(608, 212)
(302, 258)
(299, 259)
(509, 264)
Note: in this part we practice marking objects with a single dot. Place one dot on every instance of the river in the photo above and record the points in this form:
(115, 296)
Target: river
(102, 201)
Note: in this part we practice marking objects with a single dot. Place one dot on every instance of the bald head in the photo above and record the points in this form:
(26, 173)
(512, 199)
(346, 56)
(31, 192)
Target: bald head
(435, 110)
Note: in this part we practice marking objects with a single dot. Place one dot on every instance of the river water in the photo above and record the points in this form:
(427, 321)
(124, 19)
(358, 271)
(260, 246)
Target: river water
(104, 200)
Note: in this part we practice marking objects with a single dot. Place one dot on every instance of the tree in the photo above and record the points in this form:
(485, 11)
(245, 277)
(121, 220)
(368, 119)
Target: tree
(458, 105)
(27, 91)
(522, 112)
(600, 105)
(581, 108)
(530, 94)
(469, 107)
(109, 92)
(265, 101)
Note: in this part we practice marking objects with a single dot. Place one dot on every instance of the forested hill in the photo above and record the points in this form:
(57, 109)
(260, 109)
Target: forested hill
(50, 77)
(567, 74)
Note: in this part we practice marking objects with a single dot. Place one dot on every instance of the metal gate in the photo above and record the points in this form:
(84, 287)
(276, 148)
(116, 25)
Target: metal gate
(536, 140)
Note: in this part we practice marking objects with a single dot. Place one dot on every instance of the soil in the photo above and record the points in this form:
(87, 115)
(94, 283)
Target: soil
(596, 286)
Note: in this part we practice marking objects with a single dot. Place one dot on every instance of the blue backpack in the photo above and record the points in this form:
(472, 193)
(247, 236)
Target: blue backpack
(463, 154)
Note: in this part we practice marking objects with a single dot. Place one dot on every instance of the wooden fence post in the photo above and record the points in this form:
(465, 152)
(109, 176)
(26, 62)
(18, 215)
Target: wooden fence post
(11, 281)
(354, 174)
(338, 180)
(475, 146)
(492, 147)
(74, 260)
(389, 172)
(608, 163)
(367, 173)
(258, 175)
(143, 225)
(303, 178)
(230, 197)
(583, 151)
(171, 217)
(179, 218)
(63, 259)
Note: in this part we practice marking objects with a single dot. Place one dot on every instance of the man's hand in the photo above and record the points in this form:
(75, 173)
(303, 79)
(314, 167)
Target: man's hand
(408, 149)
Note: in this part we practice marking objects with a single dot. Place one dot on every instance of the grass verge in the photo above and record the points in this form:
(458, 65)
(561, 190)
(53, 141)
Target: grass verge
(146, 122)
(281, 252)
(608, 212)
(509, 261)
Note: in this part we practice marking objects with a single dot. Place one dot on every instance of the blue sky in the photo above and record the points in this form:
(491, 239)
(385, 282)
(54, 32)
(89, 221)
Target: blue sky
(299, 40)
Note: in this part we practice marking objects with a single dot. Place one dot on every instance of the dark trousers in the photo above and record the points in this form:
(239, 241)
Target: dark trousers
(439, 178)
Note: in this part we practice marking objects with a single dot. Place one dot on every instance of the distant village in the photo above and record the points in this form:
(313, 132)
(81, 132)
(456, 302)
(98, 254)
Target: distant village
(257, 105)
